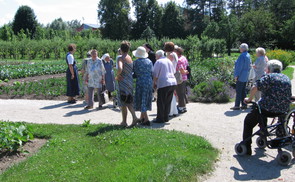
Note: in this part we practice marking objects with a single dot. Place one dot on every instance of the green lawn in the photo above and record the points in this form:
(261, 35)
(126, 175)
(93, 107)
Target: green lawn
(111, 153)
(289, 72)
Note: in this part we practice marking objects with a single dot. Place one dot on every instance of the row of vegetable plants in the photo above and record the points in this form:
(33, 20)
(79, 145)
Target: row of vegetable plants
(22, 70)
(13, 136)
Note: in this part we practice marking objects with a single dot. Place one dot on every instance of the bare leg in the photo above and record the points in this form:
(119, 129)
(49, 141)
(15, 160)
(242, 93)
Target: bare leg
(145, 116)
(124, 115)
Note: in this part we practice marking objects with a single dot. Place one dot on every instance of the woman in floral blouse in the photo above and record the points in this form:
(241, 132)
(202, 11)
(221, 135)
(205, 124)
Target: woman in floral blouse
(95, 72)
(275, 98)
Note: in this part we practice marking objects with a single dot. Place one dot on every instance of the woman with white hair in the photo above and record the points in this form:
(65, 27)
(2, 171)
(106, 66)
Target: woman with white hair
(242, 68)
(164, 82)
(275, 98)
(109, 76)
(259, 67)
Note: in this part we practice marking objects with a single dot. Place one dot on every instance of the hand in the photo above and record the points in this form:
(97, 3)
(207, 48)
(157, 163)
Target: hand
(186, 72)
(72, 77)
(119, 78)
(155, 86)
(247, 100)
(102, 81)
(236, 79)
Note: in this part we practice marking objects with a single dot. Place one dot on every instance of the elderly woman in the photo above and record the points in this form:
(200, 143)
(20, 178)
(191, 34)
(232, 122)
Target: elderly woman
(259, 67)
(125, 82)
(109, 76)
(242, 68)
(275, 99)
(165, 82)
(73, 88)
(172, 56)
(83, 73)
(181, 88)
(95, 72)
(143, 70)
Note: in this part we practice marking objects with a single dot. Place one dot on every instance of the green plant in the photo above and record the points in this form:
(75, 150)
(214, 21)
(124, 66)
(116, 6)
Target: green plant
(13, 135)
(211, 91)
(284, 56)
(86, 123)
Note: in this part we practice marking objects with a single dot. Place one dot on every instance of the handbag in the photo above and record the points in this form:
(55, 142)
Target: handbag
(104, 97)
(178, 77)
(252, 74)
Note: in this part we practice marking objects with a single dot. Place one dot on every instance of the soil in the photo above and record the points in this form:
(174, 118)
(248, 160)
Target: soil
(8, 159)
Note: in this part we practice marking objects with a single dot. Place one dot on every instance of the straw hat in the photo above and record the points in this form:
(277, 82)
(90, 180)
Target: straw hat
(140, 52)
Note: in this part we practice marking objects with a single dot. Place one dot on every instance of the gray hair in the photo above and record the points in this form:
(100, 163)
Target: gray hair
(160, 53)
(260, 51)
(274, 66)
(244, 46)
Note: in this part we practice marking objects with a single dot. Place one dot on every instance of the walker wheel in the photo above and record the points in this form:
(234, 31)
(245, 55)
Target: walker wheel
(261, 142)
(284, 158)
(240, 149)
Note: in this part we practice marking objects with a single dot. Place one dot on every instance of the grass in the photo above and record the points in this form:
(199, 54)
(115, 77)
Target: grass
(110, 153)
(289, 72)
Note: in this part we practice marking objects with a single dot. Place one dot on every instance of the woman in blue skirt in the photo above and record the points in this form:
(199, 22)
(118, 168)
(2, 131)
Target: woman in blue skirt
(72, 75)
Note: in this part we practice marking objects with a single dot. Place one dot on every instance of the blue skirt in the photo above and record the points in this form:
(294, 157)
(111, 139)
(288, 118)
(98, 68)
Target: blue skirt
(73, 88)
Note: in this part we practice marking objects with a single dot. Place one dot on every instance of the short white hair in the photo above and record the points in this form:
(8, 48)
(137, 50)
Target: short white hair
(160, 53)
(260, 51)
(274, 66)
(244, 46)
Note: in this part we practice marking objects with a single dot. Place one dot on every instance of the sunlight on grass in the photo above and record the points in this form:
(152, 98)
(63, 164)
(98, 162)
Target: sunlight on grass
(111, 153)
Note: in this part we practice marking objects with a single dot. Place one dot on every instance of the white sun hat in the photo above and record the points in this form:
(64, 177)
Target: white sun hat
(140, 52)
(105, 56)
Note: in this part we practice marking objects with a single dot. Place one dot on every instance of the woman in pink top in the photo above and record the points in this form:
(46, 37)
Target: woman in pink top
(181, 88)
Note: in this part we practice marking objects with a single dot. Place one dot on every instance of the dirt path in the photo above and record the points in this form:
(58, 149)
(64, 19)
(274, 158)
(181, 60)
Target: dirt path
(215, 122)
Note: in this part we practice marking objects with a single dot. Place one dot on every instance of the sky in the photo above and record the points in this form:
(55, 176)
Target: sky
(48, 10)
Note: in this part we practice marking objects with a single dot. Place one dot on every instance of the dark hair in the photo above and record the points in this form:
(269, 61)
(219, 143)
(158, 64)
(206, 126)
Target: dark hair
(169, 47)
(125, 46)
(72, 47)
(149, 46)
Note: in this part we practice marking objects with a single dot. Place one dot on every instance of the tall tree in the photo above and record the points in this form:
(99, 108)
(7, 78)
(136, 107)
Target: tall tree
(155, 14)
(113, 16)
(6, 33)
(173, 22)
(25, 19)
(58, 24)
(141, 15)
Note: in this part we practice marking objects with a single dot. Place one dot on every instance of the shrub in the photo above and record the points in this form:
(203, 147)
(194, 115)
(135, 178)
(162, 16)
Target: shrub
(13, 135)
(211, 91)
(281, 55)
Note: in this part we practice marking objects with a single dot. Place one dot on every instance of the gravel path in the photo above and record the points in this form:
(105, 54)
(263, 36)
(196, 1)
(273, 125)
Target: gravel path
(215, 122)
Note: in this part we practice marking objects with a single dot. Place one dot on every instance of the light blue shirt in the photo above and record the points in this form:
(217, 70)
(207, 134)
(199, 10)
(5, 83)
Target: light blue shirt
(242, 67)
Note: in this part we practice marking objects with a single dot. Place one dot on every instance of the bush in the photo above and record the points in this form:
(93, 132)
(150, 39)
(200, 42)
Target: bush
(13, 135)
(212, 91)
(285, 57)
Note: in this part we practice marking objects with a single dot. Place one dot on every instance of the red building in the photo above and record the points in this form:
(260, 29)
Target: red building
(85, 26)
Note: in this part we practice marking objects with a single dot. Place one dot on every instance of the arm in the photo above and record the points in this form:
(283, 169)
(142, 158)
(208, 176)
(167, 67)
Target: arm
(72, 71)
(238, 67)
(103, 74)
(120, 69)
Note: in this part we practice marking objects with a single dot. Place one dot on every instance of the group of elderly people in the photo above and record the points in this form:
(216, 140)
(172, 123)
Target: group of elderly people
(272, 89)
(164, 71)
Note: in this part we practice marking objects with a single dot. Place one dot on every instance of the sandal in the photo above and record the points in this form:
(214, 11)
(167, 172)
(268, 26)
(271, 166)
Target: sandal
(134, 123)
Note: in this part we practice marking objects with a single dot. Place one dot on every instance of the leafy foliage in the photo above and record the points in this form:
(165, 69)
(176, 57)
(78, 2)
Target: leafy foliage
(212, 91)
(284, 56)
(13, 135)
(25, 20)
